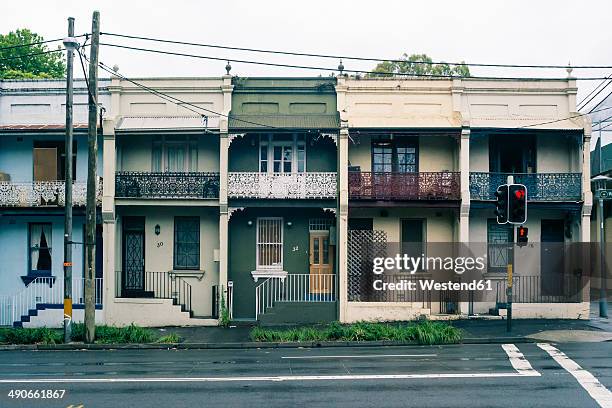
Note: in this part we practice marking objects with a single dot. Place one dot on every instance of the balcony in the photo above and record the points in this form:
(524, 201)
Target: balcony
(167, 185)
(540, 186)
(404, 186)
(309, 185)
(43, 193)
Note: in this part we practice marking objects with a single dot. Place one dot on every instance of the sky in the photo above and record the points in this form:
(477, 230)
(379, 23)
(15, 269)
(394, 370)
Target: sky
(482, 31)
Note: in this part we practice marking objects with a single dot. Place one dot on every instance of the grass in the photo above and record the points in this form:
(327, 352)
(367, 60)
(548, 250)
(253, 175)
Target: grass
(425, 332)
(131, 334)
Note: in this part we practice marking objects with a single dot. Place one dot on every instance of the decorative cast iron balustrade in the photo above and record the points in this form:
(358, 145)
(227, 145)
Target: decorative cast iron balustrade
(166, 185)
(282, 185)
(43, 193)
(540, 186)
(404, 186)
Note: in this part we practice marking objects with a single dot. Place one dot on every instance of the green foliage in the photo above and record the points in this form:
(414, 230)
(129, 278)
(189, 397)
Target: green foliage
(112, 334)
(425, 332)
(169, 338)
(42, 335)
(50, 65)
(418, 64)
(224, 318)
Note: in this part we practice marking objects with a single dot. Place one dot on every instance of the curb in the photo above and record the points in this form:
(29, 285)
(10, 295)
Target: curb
(248, 345)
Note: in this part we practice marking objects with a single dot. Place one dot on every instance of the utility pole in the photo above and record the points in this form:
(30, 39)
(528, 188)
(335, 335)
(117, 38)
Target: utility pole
(90, 228)
(70, 43)
(603, 293)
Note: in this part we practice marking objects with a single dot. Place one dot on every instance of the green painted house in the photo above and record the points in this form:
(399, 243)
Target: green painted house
(282, 199)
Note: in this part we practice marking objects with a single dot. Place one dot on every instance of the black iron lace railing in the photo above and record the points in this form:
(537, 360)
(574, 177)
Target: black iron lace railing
(365, 185)
(540, 186)
(166, 185)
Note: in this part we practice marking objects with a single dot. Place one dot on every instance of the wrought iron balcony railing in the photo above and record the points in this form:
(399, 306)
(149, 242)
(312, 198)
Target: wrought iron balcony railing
(166, 185)
(404, 186)
(540, 186)
(43, 193)
(282, 185)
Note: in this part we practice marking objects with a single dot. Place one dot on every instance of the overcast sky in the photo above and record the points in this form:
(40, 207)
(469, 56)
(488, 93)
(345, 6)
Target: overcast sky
(520, 32)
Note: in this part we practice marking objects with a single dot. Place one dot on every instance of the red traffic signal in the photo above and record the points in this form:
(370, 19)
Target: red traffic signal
(521, 235)
(517, 205)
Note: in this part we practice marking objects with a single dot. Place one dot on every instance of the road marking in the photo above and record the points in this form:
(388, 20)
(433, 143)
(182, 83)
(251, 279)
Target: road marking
(596, 390)
(518, 360)
(358, 356)
(279, 378)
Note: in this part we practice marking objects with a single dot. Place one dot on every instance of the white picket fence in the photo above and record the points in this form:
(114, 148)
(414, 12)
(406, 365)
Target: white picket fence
(45, 290)
(295, 288)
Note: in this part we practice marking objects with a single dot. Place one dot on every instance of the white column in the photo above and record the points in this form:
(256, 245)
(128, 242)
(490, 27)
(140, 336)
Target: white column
(464, 168)
(227, 89)
(108, 214)
(342, 220)
(587, 197)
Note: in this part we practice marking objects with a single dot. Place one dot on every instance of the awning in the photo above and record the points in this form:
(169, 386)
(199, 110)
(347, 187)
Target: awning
(144, 123)
(272, 122)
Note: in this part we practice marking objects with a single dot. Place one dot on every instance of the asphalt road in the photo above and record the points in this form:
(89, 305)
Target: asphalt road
(522, 375)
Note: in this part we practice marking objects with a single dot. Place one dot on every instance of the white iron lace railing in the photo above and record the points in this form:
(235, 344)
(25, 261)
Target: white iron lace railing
(282, 185)
(44, 291)
(295, 288)
(43, 193)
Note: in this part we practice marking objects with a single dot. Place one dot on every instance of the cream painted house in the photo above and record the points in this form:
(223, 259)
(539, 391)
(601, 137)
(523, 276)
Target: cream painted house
(422, 159)
(162, 210)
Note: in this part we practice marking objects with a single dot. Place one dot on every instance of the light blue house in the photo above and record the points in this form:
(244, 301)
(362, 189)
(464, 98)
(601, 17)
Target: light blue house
(32, 160)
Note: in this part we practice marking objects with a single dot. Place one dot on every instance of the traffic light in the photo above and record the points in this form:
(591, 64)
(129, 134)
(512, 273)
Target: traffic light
(517, 204)
(521, 235)
(501, 206)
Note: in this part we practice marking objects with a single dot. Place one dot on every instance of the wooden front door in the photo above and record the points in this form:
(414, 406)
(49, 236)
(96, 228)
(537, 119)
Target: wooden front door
(321, 263)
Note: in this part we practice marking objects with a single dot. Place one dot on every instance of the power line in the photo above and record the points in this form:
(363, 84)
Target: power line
(345, 57)
(30, 55)
(593, 91)
(594, 96)
(334, 69)
(35, 43)
(562, 119)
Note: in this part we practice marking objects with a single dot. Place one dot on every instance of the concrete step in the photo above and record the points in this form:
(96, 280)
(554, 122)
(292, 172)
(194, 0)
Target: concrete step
(299, 313)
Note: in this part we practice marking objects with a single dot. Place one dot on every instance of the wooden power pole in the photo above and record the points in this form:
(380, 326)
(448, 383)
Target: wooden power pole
(90, 228)
(70, 43)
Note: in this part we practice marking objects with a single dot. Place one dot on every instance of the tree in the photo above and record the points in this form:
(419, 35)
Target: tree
(418, 64)
(49, 65)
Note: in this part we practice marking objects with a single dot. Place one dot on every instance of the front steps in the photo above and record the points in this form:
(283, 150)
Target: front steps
(299, 313)
(52, 315)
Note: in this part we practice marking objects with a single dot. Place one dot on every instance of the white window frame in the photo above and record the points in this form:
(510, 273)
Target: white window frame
(259, 266)
(189, 144)
(269, 142)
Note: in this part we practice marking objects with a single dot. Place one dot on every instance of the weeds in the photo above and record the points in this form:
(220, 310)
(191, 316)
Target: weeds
(425, 332)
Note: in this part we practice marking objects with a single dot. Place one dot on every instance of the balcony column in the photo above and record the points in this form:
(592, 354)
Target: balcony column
(108, 211)
(227, 89)
(342, 220)
(587, 197)
(464, 168)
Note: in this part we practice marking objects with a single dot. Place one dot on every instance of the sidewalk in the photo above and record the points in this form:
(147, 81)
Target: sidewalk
(476, 330)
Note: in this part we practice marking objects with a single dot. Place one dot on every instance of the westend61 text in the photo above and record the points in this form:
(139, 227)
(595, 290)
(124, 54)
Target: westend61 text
(430, 284)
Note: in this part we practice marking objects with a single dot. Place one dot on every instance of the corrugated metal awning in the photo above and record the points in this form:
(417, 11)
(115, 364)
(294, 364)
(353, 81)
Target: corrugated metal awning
(135, 123)
(270, 122)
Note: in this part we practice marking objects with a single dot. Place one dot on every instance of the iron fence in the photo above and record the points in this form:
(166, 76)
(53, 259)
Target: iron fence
(191, 185)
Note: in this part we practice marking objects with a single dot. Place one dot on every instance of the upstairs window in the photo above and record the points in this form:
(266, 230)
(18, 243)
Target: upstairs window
(399, 156)
(49, 160)
(175, 154)
(282, 154)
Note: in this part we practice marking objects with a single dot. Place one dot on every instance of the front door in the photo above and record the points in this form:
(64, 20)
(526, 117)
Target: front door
(132, 280)
(321, 263)
(552, 262)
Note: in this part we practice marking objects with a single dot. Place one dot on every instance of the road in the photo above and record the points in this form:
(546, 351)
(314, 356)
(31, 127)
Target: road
(522, 375)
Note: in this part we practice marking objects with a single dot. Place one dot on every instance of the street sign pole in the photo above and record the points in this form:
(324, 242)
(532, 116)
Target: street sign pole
(603, 295)
(510, 273)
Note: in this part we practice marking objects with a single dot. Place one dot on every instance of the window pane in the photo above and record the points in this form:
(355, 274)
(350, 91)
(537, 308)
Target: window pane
(263, 152)
(187, 242)
(263, 166)
(156, 158)
(301, 158)
(277, 152)
(315, 251)
(277, 166)
(269, 243)
(326, 250)
(193, 157)
(40, 247)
